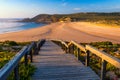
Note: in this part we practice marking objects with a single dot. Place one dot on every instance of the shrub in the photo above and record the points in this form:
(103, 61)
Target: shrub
(1, 48)
(11, 43)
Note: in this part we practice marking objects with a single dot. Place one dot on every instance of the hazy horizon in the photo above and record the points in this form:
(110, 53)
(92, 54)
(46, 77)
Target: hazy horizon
(31, 8)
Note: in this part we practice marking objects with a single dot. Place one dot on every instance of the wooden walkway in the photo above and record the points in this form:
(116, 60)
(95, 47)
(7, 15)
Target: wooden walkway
(54, 64)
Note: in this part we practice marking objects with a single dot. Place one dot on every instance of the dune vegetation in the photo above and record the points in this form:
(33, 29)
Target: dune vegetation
(95, 61)
(8, 49)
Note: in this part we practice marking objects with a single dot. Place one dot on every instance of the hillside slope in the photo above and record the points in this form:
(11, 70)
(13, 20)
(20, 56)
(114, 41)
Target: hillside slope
(107, 18)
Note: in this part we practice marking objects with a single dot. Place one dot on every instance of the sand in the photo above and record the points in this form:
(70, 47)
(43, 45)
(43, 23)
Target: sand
(77, 31)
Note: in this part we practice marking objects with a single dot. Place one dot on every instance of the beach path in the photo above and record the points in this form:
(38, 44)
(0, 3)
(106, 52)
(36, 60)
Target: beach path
(53, 63)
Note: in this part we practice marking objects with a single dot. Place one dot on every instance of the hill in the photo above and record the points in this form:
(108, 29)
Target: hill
(107, 18)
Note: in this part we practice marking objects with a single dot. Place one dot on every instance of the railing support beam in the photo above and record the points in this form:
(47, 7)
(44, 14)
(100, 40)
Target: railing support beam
(26, 59)
(78, 56)
(69, 49)
(16, 72)
(72, 49)
(87, 58)
(31, 55)
(103, 70)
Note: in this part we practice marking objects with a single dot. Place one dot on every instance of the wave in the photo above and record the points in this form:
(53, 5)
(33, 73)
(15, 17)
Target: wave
(6, 27)
(10, 25)
(10, 19)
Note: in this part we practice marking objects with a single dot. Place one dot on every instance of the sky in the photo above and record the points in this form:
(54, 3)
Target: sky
(31, 8)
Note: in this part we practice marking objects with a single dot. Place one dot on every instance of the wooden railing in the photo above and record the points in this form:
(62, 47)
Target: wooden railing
(12, 65)
(73, 47)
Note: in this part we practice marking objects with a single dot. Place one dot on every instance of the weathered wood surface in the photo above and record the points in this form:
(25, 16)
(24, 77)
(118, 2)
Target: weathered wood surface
(53, 64)
(111, 59)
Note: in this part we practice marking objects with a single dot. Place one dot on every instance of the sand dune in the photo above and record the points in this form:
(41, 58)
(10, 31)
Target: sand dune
(77, 31)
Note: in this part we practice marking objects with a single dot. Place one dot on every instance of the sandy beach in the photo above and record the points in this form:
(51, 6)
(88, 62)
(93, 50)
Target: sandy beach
(77, 31)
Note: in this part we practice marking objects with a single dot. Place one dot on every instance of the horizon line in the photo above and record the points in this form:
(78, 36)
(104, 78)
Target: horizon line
(60, 14)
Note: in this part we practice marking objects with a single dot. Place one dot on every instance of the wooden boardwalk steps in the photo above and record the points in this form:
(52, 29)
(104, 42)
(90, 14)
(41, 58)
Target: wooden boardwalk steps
(53, 64)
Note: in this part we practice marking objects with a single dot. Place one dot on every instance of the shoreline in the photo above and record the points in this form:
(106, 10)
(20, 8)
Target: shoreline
(21, 30)
(10, 27)
(77, 31)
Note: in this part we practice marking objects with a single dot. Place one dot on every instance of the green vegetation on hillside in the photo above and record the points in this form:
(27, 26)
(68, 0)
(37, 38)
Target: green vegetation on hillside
(105, 18)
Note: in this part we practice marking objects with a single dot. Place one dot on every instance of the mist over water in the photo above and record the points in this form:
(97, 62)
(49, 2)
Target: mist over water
(10, 25)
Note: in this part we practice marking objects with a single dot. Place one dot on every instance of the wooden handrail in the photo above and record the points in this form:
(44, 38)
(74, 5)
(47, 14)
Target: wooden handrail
(62, 42)
(8, 68)
(79, 46)
(111, 59)
(31, 46)
(87, 49)
(70, 43)
(13, 63)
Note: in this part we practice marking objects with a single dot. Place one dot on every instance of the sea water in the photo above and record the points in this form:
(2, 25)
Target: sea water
(12, 25)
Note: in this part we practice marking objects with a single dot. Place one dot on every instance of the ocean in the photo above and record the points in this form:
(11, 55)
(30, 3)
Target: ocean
(11, 25)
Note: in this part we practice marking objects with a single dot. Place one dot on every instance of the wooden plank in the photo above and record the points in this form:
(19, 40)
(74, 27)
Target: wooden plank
(53, 64)
(111, 59)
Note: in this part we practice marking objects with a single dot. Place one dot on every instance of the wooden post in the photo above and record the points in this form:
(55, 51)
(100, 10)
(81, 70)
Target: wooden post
(72, 49)
(61, 45)
(66, 49)
(36, 48)
(87, 57)
(75, 51)
(69, 49)
(26, 60)
(103, 70)
(78, 56)
(31, 56)
(16, 72)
